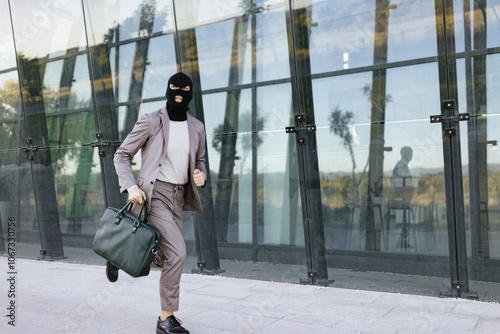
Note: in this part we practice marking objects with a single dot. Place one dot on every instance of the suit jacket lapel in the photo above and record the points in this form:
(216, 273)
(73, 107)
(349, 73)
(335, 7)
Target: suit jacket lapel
(166, 126)
(192, 139)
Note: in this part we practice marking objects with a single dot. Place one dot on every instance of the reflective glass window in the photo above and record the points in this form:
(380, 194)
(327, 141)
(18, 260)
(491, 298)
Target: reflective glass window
(276, 210)
(161, 65)
(272, 44)
(7, 55)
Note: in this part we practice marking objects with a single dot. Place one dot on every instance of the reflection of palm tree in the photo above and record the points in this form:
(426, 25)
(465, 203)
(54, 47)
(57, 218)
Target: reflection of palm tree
(246, 137)
(341, 125)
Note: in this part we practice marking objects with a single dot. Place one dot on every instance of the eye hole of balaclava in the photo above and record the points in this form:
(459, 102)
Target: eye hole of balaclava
(180, 80)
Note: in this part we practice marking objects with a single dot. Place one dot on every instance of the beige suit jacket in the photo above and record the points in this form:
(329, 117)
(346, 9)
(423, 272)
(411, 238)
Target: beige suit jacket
(150, 135)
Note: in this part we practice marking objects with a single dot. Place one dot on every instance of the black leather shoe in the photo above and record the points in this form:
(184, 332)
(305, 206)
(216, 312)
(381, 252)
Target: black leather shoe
(169, 326)
(111, 272)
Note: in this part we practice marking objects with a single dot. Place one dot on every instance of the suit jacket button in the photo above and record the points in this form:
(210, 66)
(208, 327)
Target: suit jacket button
(152, 182)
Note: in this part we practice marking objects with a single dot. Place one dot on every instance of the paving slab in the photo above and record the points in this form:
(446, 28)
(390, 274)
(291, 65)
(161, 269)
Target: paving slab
(61, 297)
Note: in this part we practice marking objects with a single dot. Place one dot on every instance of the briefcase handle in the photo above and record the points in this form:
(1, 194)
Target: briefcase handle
(128, 206)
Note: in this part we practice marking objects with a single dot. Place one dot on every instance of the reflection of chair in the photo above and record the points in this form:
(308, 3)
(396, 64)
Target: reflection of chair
(399, 199)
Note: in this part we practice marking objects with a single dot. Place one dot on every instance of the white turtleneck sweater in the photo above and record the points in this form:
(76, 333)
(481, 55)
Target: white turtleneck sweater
(175, 166)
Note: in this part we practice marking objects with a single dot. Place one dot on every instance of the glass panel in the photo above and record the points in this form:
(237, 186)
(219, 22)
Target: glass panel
(223, 46)
(195, 13)
(164, 19)
(276, 208)
(272, 44)
(7, 55)
(56, 85)
(48, 29)
(231, 169)
(343, 37)
(493, 25)
(9, 97)
(17, 201)
(66, 84)
(79, 191)
(126, 63)
(412, 30)
(380, 160)
(161, 66)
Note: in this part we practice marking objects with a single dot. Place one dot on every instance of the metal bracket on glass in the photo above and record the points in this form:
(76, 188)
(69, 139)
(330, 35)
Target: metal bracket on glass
(440, 118)
(29, 149)
(450, 132)
(458, 286)
(449, 105)
(100, 144)
(296, 129)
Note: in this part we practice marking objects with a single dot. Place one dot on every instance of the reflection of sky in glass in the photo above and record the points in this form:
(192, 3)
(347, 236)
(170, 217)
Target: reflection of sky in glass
(214, 106)
(80, 86)
(341, 27)
(162, 59)
(276, 114)
(414, 96)
(215, 44)
(48, 27)
(164, 21)
(412, 31)
(458, 18)
(125, 68)
(51, 82)
(342, 35)
(272, 46)
(344, 92)
(12, 75)
(493, 105)
(129, 14)
(414, 92)
(7, 54)
(194, 13)
(493, 84)
(81, 83)
(275, 111)
(493, 23)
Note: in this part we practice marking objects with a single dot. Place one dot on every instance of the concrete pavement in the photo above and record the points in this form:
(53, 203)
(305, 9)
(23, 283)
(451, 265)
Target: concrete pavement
(58, 297)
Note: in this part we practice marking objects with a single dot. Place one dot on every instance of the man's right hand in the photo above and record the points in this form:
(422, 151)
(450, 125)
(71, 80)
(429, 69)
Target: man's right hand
(136, 195)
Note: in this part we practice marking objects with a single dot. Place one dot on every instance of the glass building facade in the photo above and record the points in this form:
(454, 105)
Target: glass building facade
(349, 143)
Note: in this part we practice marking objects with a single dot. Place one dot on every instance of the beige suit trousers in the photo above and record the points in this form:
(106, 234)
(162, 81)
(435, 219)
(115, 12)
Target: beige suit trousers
(165, 214)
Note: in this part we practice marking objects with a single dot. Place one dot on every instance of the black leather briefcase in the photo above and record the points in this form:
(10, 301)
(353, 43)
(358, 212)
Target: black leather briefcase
(126, 240)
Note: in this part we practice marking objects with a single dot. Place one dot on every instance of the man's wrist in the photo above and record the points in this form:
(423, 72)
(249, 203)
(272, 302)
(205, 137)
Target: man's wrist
(132, 187)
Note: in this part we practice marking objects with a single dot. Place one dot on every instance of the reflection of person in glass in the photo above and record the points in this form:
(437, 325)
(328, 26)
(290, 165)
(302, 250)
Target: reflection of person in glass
(402, 192)
(401, 175)
(172, 145)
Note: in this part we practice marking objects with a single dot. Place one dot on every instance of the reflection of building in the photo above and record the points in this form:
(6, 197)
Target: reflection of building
(77, 77)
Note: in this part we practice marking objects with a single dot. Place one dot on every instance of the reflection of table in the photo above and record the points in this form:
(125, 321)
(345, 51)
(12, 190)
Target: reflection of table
(400, 200)
(405, 224)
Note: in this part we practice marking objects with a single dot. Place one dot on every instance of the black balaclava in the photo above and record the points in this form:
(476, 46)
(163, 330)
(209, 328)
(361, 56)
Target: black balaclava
(178, 111)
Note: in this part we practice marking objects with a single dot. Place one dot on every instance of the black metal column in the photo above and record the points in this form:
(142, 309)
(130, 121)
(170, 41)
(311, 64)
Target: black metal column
(451, 148)
(307, 154)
